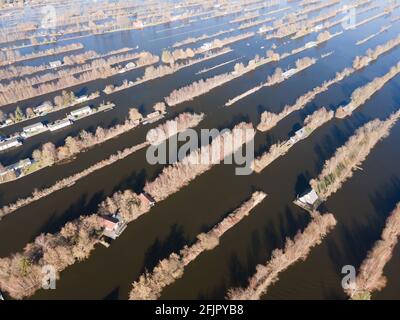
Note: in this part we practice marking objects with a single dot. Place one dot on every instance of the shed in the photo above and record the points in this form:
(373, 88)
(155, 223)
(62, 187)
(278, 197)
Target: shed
(147, 199)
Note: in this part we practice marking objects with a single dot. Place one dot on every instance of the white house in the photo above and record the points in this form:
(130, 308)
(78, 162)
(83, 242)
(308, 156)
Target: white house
(10, 143)
(113, 226)
(81, 112)
(318, 27)
(43, 108)
(301, 134)
(59, 124)
(289, 73)
(81, 99)
(309, 199)
(130, 65)
(153, 115)
(16, 167)
(20, 164)
(206, 46)
(55, 64)
(33, 128)
(310, 44)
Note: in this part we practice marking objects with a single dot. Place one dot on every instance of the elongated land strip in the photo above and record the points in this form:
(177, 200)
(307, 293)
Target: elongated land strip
(150, 285)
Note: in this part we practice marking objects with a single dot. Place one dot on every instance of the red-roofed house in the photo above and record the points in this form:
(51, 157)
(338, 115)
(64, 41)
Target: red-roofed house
(113, 226)
(146, 199)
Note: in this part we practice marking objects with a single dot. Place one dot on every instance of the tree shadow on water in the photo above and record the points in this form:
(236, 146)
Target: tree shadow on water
(135, 181)
(236, 119)
(160, 250)
(359, 236)
(113, 295)
(302, 183)
(80, 208)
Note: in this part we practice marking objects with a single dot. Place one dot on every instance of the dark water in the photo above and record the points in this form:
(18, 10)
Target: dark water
(360, 207)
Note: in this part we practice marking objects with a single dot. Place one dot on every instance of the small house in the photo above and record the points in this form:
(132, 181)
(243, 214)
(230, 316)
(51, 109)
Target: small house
(153, 115)
(310, 44)
(10, 143)
(81, 112)
(59, 124)
(55, 64)
(130, 65)
(207, 46)
(318, 27)
(81, 99)
(43, 108)
(309, 199)
(33, 128)
(138, 24)
(289, 73)
(301, 134)
(147, 199)
(17, 167)
(113, 226)
(20, 164)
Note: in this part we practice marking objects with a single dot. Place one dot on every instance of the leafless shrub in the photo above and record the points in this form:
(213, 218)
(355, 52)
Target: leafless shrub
(312, 122)
(22, 273)
(11, 56)
(178, 175)
(269, 120)
(346, 159)
(370, 276)
(150, 285)
(179, 124)
(281, 259)
(363, 61)
(362, 94)
(39, 85)
(172, 127)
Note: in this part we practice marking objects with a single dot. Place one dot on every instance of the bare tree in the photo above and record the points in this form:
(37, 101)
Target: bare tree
(281, 259)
